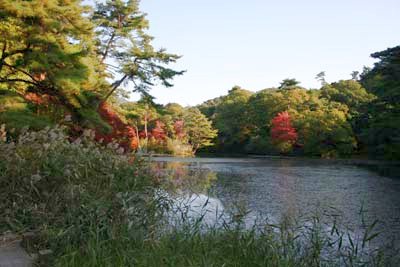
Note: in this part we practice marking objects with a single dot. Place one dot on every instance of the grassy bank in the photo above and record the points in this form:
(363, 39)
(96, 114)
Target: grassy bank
(95, 206)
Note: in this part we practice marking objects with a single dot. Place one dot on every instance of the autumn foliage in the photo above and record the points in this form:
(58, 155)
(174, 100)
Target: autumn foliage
(282, 132)
(122, 133)
(158, 132)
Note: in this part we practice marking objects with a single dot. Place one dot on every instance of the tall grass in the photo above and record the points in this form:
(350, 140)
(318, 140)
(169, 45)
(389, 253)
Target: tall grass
(67, 190)
(285, 244)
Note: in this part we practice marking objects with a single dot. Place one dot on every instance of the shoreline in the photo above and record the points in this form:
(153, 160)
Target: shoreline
(240, 157)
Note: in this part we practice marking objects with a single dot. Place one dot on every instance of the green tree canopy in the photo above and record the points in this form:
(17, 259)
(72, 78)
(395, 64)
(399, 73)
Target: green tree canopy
(381, 120)
(231, 118)
(46, 47)
(289, 84)
(198, 128)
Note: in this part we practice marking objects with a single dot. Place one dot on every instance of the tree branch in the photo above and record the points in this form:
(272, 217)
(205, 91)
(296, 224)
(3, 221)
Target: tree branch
(5, 80)
(3, 53)
(108, 46)
(22, 71)
(115, 85)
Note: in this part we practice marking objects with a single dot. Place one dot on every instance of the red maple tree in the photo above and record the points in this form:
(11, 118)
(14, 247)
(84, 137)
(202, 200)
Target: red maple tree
(122, 133)
(158, 131)
(282, 130)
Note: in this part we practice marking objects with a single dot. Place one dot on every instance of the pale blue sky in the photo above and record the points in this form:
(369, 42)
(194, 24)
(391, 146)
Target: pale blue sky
(255, 44)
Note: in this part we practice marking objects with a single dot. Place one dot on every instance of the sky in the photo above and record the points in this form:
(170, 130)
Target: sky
(257, 43)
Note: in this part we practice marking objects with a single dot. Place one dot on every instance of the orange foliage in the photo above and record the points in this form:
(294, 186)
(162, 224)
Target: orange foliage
(37, 99)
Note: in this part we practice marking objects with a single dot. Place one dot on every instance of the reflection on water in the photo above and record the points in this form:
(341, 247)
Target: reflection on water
(273, 188)
(183, 178)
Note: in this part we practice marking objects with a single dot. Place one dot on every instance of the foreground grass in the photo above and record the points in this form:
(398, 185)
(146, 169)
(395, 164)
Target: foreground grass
(217, 248)
(94, 206)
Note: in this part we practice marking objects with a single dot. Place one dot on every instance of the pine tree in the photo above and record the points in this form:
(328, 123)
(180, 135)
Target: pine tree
(46, 49)
(125, 49)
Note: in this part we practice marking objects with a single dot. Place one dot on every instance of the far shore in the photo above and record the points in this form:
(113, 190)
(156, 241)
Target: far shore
(241, 157)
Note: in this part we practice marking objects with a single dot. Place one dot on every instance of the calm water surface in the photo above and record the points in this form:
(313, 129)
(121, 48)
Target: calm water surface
(273, 188)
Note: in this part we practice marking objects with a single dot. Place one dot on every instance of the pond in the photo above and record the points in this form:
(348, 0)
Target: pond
(274, 188)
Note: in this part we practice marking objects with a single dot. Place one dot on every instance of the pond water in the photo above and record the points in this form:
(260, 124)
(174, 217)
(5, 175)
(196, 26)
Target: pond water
(275, 188)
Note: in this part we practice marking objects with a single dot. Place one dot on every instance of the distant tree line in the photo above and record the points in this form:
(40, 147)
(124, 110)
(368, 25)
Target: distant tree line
(359, 116)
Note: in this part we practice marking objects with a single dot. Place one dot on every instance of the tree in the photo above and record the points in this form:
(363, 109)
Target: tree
(381, 123)
(354, 75)
(231, 119)
(383, 79)
(174, 110)
(289, 84)
(126, 50)
(158, 131)
(321, 78)
(46, 48)
(198, 128)
(283, 135)
(121, 132)
(179, 129)
(348, 92)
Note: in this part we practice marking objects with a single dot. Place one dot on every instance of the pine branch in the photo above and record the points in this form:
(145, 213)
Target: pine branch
(115, 86)
(22, 71)
(108, 46)
(6, 80)
(3, 55)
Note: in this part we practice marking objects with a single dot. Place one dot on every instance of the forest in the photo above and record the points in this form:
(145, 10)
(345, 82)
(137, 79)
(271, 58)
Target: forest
(66, 65)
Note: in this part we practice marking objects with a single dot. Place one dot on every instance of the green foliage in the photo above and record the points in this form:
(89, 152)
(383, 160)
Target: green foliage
(230, 118)
(62, 50)
(58, 30)
(289, 84)
(383, 79)
(321, 119)
(17, 114)
(348, 92)
(198, 129)
(121, 38)
(91, 119)
(325, 132)
(380, 122)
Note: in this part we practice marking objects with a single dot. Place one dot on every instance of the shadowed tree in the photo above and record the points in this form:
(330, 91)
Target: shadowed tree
(289, 84)
(354, 75)
(321, 78)
(381, 122)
